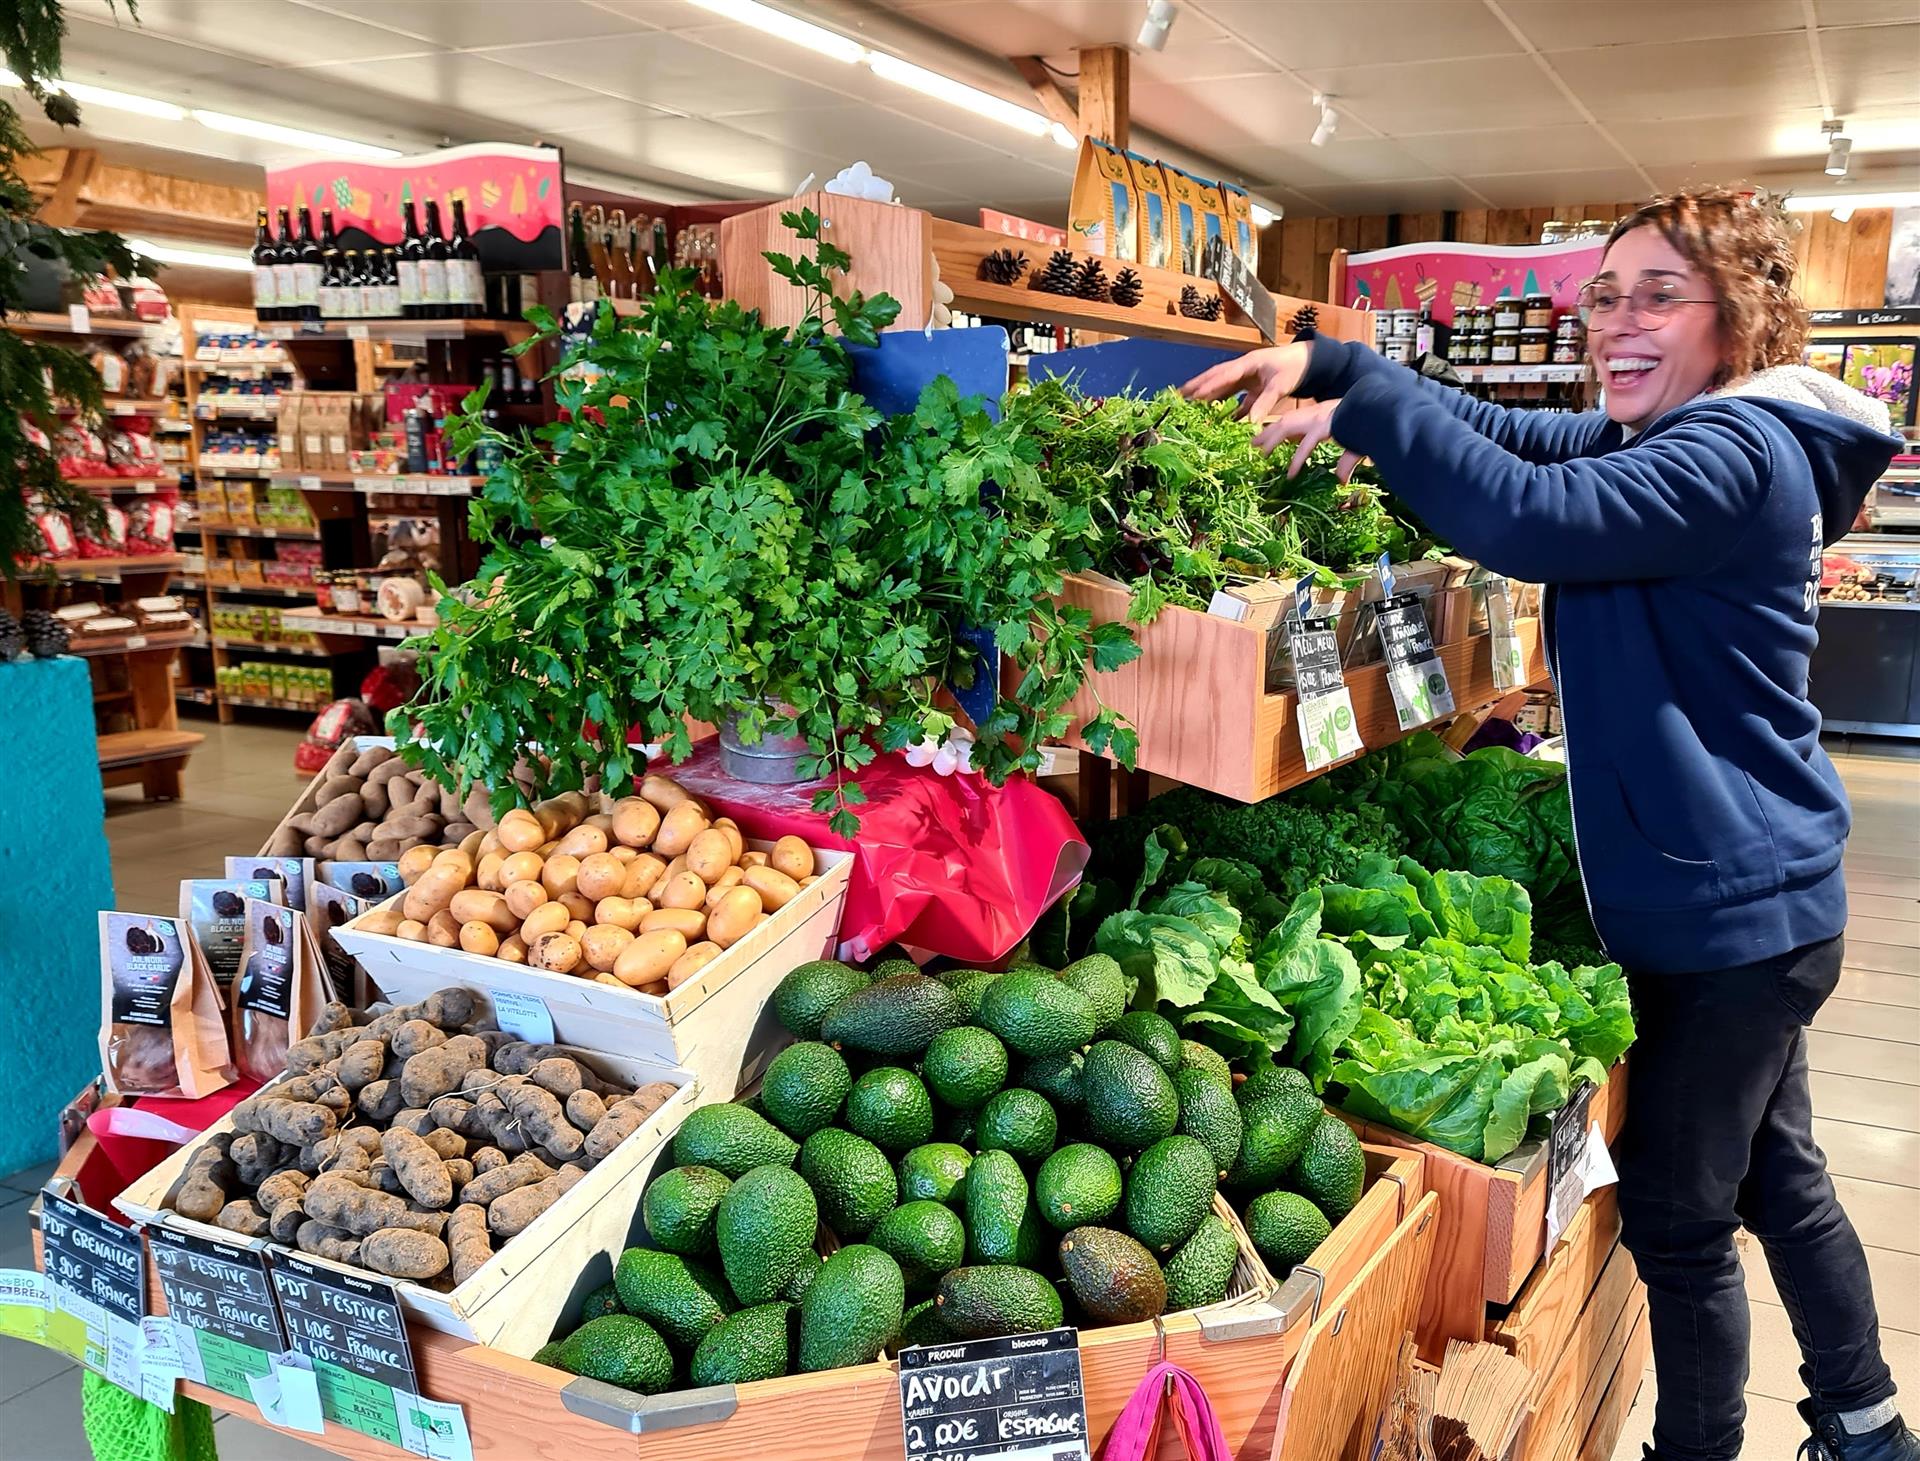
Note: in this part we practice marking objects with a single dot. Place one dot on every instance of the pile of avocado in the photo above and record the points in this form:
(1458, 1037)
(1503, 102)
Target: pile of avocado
(994, 1154)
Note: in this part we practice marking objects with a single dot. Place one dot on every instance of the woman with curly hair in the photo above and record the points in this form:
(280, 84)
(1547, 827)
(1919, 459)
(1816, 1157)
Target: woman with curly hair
(1679, 533)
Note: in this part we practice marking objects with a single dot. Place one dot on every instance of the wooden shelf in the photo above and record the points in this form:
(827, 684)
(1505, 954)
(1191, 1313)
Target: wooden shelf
(196, 694)
(278, 590)
(309, 651)
(315, 620)
(114, 406)
(262, 702)
(425, 483)
(132, 644)
(59, 324)
(222, 530)
(513, 331)
(110, 570)
(122, 484)
(129, 748)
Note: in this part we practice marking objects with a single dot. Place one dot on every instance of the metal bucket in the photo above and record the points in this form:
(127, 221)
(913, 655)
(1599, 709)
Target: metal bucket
(771, 761)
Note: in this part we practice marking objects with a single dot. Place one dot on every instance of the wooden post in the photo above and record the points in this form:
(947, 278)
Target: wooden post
(1104, 85)
(62, 208)
(1337, 277)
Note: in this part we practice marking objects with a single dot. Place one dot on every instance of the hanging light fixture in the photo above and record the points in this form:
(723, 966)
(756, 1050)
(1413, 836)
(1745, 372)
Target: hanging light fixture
(1329, 120)
(1839, 148)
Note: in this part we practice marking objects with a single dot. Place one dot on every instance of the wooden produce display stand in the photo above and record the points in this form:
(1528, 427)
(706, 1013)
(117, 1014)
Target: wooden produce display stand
(154, 753)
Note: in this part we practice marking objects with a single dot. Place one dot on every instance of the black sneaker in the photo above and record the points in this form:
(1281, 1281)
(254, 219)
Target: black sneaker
(1831, 1441)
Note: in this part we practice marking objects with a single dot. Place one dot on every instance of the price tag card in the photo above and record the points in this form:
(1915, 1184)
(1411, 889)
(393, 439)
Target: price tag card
(221, 1300)
(309, 484)
(1011, 1399)
(1325, 709)
(97, 1286)
(1415, 676)
(78, 320)
(351, 1328)
(1567, 1172)
(357, 332)
(523, 1016)
(1227, 269)
(23, 1304)
(1509, 665)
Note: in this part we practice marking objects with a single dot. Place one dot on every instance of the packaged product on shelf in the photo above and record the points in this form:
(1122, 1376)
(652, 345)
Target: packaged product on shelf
(216, 909)
(150, 523)
(72, 614)
(1188, 196)
(161, 1033)
(287, 431)
(56, 533)
(281, 986)
(296, 873)
(103, 627)
(1157, 235)
(313, 433)
(329, 908)
(363, 879)
(1213, 219)
(108, 538)
(1100, 212)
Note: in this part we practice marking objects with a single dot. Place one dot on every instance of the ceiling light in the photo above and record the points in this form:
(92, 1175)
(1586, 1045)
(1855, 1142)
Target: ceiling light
(1062, 137)
(1262, 216)
(1329, 120)
(1161, 15)
(956, 93)
(100, 96)
(1822, 202)
(1839, 148)
(291, 136)
(192, 255)
(787, 28)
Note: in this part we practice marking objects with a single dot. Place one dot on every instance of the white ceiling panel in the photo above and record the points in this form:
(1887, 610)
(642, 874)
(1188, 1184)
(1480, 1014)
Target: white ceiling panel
(1439, 96)
(1343, 160)
(1533, 150)
(476, 24)
(993, 177)
(1556, 189)
(1874, 66)
(1557, 25)
(451, 79)
(668, 72)
(1431, 196)
(1752, 140)
(1302, 33)
(856, 132)
(1865, 12)
(277, 32)
(1270, 108)
(1692, 79)
(648, 141)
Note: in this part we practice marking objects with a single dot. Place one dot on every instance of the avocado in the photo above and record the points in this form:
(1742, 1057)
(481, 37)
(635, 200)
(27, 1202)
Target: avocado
(1099, 979)
(1077, 1186)
(1152, 1035)
(764, 1232)
(1002, 1225)
(890, 1108)
(1036, 1014)
(1206, 1060)
(679, 1208)
(995, 1299)
(1058, 1078)
(968, 992)
(803, 1088)
(1112, 1277)
(892, 969)
(549, 1353)
(1275, 1133)
(802, 999)
(1169, 1191)
(732, 1140)
(620, 1350)
(1017, 1121)
(1202, 1270)
(851, 1178)
(965, 1065)
(898, 1016)
(1130, 1101)
(1331, 1170)
(923, 1325)
(1209, 1113)
(925, 1238)
(751, 1345)
(802, 1279)
(853, 1309)
(954, 1127)
(936, 1172)
(601, 1302)
(1286, 1228)
(1266, 1080)
(682, 1298)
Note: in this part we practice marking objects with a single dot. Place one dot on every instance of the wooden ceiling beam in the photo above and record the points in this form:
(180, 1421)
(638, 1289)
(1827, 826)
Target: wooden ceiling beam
(1053, 101)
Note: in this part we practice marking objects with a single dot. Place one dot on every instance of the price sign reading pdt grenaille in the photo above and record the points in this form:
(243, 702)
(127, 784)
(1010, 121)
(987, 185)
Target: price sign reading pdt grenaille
(96, 1274)
(1017, 1398)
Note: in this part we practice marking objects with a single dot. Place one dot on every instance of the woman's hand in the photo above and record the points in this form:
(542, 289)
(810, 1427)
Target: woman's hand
(1309, 425)
(1266, 376)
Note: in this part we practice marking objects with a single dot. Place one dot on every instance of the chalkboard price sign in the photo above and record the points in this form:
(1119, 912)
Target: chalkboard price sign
(1013, 1399)
(221, 1295)
(93, 1258)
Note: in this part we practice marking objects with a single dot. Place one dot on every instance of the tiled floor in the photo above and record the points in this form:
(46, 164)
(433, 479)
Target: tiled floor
(1864, 1051)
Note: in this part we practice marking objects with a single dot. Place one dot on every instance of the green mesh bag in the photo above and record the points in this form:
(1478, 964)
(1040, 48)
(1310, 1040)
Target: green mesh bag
(123, 1427)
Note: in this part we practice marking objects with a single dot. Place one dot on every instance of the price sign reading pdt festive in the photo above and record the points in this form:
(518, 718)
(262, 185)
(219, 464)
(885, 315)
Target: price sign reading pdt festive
(1017, 1398)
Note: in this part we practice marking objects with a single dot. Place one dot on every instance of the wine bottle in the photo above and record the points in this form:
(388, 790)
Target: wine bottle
(619, 278)
(662, 256)
(266, 293)
(333, 273)
(412, 252)
(389, 294)
(309, 268)
(433, 268)
(466, 284)
(286, 284)
(585, 286)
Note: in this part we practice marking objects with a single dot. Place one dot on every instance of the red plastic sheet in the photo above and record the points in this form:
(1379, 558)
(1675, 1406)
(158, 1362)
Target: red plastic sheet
(947, 865)
(120, 1159)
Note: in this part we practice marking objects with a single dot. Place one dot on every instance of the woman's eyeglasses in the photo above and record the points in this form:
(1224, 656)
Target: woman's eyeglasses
(1649, 303)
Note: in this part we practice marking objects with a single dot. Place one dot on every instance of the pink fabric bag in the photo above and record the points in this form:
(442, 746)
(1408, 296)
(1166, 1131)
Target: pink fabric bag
(1136, 1434)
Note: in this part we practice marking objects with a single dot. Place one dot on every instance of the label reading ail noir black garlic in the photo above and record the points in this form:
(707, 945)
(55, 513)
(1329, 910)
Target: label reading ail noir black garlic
(146, 955)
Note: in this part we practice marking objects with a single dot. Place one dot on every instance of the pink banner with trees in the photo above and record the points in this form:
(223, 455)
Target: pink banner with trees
(1451, 276)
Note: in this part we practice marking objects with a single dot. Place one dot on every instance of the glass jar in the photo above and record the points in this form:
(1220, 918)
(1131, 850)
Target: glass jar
(1400, 348)
(323, 592)
(1508, 314)
(1535, 343)
(346, 594)
(1553, 231)
(1479, 345)
(1569, 341)
(1505, 348)
(1382, 328)
(1536, 312)
(1405, 323)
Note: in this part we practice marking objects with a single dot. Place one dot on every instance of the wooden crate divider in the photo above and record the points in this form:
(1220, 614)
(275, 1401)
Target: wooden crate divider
(1536, 1328)
(1568, 1399)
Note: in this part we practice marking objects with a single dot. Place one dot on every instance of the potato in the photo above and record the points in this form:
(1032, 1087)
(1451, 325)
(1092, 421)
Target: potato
(475, 905)
(635, 821)
(775, 888)
(709, 855)
(689, 922)
(555, 952)
(385, 920)
(678, 828)
(732, 875)
(664, 792)
(602, 820)
(609, 980)
(732, 829)
(513, 949)
(523, 897)
(602, 946)
(454, 857)
(674, 869)
(561, 874)
(486, 872)
(477, 937)
(470, 839)
(547, 849)
(519, 831)
(521, 867)
(683, 890)
(648, 957)
(490, 844)
(547, 918)
(792, 856)
(642, 873)
(443, 930)
(619, 912)
(576, 929)
(622, 854)
(601, 875)
(577, 906)
(338, 815)
(692, 962)
(411, 929)
(733, 916)
(753, 858)
(809, 880)
(584, 841)
(433, 892)
(413, 862)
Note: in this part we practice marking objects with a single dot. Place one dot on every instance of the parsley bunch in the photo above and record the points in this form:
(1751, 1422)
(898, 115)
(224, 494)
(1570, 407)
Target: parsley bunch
(724, 529)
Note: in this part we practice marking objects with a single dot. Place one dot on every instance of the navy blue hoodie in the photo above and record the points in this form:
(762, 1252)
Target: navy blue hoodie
(1683, 571)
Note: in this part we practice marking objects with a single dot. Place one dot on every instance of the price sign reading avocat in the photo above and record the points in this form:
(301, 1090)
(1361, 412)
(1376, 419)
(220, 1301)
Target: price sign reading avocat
(1012, 1399)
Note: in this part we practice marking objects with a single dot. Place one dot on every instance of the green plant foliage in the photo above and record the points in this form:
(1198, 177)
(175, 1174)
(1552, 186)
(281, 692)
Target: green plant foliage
(724, 529)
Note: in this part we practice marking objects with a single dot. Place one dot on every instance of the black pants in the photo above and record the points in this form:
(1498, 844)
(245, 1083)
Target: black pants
(1719, 1133)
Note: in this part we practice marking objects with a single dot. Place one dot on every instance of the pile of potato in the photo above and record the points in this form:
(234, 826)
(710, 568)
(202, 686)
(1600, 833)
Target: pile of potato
(369, 806)
(410, 1143)
(642, 895)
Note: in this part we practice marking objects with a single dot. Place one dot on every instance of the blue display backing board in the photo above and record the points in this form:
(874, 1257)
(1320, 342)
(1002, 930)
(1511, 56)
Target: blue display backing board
(1126, 367)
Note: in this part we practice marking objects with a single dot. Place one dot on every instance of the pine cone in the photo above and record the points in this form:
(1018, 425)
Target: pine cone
(1305, 323)
(1127, 289)
(1090, 281)
(46, 636)
(1059, 274)
(1197, 306)
(9, 637)
(1003, 266)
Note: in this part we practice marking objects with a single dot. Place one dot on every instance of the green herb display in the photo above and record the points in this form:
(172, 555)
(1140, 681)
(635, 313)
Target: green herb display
(724, 529)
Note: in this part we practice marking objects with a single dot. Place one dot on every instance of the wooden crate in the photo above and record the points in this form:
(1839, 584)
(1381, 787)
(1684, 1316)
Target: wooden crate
(1493, 1222)
(1196, 696)
(1592, 1381)
(1535, 1330)
(892, 252)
